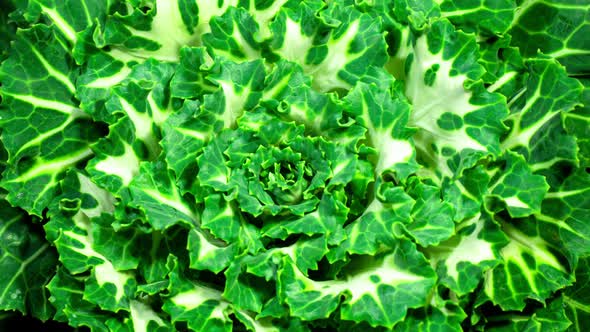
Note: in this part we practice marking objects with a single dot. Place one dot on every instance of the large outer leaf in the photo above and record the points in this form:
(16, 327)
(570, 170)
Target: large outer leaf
(68, 17)
(565, 211)
(558, 28)
(536, 115)
(400, 277)
(458, 121)
(485, 17)
(43, 129)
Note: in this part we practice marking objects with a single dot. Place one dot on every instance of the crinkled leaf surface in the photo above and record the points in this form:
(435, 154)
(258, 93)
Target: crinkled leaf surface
(279, 165)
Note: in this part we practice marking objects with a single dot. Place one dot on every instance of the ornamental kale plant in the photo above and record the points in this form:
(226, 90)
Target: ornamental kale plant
(282, 165)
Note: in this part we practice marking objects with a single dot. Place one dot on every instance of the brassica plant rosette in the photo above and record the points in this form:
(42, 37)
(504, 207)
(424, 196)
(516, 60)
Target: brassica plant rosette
(385, 165)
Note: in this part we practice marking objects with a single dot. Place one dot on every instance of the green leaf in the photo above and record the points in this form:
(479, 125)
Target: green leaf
(41, 150)
(144, 29)
(556, 28)
(386, 121)
(564, 211)
(462, 261)
(336, 46)
(576, 299)
(504, 66)
(415, 13)
(375, 228)
(467, 193)
(577, 123)
(190, 77)
(221, 219)
(530, 269)
(7, 29)
(100, 73)
(71, 230)
(201, 306)
(483, 17)
(27, 262)
(240, 85)
(486, 18)
(321, 114)
(232, 36)
(143, 98)
(551, 317)
(280, 83)
(535, 120)
(432, 219)
(279, 165)
(440, 316)
(458, 121)
(208, 254)
(67, 298)
(385, 280)
(90, 288)
(185, 133)
(154, 192)
(117, 157)
(69, 18)
(515, 184)
(245, 291)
